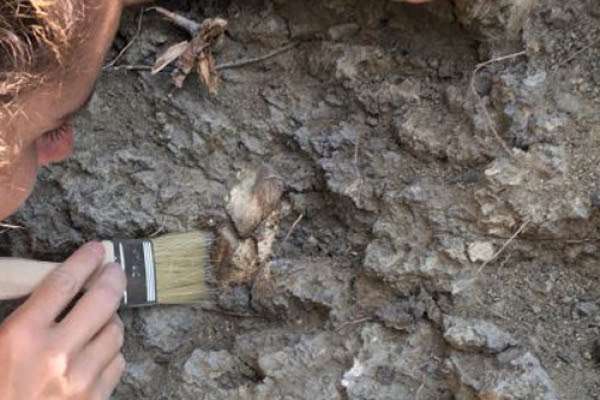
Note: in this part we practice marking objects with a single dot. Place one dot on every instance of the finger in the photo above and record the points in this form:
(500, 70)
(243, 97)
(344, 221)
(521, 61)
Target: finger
(97, 354)
(60, 287)
(95, 308)
(110, 377)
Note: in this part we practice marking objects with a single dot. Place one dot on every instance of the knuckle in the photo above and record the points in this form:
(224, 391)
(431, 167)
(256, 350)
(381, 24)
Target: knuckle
(78, 383)
(55, 361)
(13, 334)
(62, 282)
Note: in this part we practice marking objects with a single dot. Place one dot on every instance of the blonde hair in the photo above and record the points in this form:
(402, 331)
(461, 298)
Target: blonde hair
(35, 38)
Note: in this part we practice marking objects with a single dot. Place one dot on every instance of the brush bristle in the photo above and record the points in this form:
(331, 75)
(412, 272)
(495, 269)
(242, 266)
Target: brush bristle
(182, 267)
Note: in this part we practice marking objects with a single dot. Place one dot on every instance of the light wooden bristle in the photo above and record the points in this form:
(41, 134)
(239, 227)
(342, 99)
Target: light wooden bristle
(182, 267)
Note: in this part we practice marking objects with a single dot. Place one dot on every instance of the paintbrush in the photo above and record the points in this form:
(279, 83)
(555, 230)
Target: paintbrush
(171, 269)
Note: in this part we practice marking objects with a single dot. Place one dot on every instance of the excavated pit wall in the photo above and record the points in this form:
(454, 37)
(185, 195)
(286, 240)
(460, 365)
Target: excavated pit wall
(422, 227)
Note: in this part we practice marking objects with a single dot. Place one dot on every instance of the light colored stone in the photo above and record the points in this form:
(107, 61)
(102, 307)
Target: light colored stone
(481, 251)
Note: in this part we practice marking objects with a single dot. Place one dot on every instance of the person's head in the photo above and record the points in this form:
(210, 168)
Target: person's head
(51, 53)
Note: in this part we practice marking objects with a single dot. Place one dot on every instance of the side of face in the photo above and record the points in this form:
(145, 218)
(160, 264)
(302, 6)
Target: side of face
(36, 132)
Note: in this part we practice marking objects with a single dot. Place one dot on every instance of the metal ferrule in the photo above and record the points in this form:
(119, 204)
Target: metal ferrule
(137, 260)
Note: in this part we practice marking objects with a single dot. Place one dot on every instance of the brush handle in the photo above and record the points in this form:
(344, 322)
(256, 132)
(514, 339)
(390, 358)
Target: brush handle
(18, 277)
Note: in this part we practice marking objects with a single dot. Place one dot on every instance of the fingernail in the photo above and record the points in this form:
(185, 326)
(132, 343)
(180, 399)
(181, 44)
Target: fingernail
(113, 265)
(115, 268)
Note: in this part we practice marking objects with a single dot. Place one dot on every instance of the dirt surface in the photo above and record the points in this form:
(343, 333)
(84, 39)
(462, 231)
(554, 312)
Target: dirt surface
(419, 226)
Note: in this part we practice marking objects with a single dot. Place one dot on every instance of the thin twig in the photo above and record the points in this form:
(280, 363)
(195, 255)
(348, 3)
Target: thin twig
(566, 240)
(504, 246)
(191, 26)
(577, 53)
(499, 59)
(293, 227)
(357, 170)
(461, 285)
(232, 314)
(234, 64)
(157, 232)
(354, 322)
(9, 226)
(418, 393)
(247, 61)
(480, 103)
(134, 67)
(503, 263)
(128, 45)
(549, 239)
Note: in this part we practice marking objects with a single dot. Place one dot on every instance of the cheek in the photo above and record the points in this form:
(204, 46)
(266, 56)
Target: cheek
(16, 181)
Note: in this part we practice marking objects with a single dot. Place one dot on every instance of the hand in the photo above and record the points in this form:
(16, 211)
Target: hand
(77, 358)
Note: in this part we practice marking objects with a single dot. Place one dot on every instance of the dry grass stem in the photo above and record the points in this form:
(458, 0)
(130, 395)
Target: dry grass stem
(293, 227)
(357, 171)
(112, 63)
(354, 322)
(192, 27)
(463, 284)
(218, 67)
(233, 314)
(576, 54)
(131, 67)
(254, 60)
(503, 247)
(9, 226)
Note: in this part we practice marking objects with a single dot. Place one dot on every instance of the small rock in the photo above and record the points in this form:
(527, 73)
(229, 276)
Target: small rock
(392, 367)
(568, 103)
(142, 375)
(587, 308)
(476, 335)
(343, 31)
(514, 374)
(454, 98)
(500, 20)
(396, 316)
(236, 298)
(481, 251)
(215, 372)
(309, 369)
(166, 328)
(282, 286)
